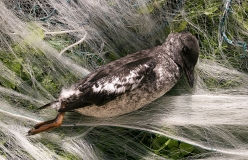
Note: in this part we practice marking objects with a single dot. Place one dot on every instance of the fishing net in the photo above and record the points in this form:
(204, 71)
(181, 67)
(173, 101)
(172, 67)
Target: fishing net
(47, 45)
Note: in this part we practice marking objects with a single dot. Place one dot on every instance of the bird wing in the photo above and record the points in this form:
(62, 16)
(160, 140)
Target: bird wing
(125, 79)
(111, 68)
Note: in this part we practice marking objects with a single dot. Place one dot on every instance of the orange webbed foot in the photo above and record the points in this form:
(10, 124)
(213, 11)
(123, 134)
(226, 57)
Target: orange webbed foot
(47, 125)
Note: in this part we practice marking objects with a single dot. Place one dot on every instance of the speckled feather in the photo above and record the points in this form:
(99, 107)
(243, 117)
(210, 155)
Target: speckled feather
(130, 83)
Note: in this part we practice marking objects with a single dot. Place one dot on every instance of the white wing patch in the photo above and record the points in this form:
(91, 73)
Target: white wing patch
(118, 84)
(110, 86)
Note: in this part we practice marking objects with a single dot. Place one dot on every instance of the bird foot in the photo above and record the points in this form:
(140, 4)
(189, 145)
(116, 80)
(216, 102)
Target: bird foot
(47, 125)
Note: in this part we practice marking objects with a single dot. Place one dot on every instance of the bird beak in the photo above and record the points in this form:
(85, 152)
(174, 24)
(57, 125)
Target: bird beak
(189, 71)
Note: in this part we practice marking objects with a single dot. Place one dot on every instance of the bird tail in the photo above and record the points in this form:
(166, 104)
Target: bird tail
(53, 104)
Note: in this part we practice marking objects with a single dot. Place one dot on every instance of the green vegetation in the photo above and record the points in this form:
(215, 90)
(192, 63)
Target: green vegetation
(35, 68)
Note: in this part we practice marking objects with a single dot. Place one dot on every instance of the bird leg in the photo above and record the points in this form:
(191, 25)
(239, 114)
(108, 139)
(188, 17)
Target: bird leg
(47, 125)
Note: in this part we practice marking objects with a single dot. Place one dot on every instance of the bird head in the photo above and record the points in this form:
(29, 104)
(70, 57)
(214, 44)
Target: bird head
(185, 49)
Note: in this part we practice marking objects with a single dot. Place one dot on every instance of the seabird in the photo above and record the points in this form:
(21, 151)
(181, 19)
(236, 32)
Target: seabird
(129, 83)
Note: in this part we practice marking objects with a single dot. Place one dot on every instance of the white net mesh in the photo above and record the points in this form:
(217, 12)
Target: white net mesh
(48, 45)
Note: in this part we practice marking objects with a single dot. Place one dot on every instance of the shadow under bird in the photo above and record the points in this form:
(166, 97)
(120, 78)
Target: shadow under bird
(129, 83)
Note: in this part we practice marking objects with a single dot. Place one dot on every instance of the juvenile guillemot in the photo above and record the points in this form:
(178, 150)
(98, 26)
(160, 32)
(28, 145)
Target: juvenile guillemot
(129, 83)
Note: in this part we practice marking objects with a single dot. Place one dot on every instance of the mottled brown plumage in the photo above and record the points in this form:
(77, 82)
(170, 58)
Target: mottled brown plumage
(129, 83)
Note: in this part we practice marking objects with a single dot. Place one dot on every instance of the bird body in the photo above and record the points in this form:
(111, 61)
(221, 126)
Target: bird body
(141, 85)
(131, 82)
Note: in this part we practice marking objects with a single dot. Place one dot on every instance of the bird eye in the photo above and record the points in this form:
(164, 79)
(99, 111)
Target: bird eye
(185, 49)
